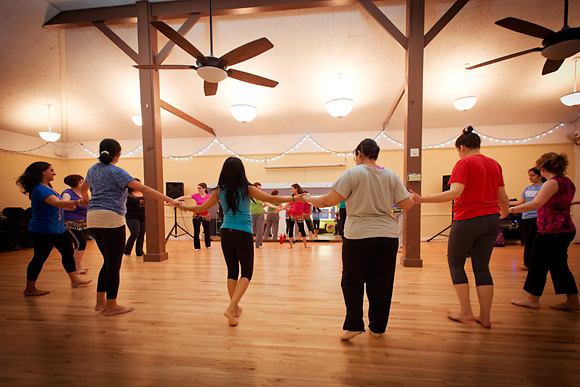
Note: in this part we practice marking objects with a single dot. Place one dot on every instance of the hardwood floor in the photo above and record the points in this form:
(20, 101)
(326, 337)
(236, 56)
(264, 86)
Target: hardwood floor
(289, 329)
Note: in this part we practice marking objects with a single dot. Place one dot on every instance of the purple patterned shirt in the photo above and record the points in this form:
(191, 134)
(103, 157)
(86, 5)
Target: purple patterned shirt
(554, 216)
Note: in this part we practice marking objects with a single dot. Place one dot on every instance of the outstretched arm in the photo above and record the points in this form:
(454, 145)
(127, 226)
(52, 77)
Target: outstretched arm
(152, 193)
(455, 191)
(53, 200)
(254, 192)
(213, 199)
(548, 190)
(332, 198)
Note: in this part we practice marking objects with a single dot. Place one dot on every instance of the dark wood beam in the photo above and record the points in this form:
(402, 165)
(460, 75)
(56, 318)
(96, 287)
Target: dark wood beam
(186, 117)
(398, 99)
(181, 10)
(445, 19)
(183, 30)
(384, 21)
(113, 37)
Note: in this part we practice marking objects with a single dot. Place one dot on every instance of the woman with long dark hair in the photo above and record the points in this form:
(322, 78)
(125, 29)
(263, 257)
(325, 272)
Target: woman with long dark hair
(235, 192)
(106, 219)
(200, 219)
(477, 186)
(296, 211)
(555, 233)
(47, 225)
(529, 218)
(75, 221)
(369, 248)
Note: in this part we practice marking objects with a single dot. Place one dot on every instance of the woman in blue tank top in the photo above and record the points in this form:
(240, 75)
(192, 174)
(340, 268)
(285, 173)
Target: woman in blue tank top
(234, 193)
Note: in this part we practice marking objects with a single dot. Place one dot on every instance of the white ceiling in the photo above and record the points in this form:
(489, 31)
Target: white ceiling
(93, 84)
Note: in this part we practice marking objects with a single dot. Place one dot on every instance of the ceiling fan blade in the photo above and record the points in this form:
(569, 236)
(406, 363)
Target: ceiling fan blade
(525, 27)
(246, 51)
(179, 40)
(209, 88)
(504, 58)
(165, 67)
(251, 78)
(551, 65)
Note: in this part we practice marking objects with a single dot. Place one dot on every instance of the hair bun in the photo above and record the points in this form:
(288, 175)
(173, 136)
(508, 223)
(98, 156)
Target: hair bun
(469, 129)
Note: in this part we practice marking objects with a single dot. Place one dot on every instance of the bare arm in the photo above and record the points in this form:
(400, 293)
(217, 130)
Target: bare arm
(455, 191)
(406, 204)
(548, 190)
(152, 193)
(332, 198)
(253, 192)
(504, 202)
(517, 202)
(53, 200)
(212, 201)
(185, 197)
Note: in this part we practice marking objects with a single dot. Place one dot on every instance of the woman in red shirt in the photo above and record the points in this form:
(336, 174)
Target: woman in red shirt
(477, 186)
(296, 214)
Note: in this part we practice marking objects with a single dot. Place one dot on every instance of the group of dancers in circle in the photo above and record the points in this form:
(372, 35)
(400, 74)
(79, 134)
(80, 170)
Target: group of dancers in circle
(370, 240)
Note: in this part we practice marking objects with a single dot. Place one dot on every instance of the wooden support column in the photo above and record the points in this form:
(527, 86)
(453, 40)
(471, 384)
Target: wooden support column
(152, 150)
(413, 128)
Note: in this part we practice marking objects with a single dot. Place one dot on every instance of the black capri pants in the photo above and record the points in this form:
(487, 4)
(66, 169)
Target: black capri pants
(238, 249)
(301, 229)
(111, 243)
(476, 237)
(43, 245)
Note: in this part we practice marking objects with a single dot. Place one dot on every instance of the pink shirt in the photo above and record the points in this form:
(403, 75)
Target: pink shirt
(199, 201)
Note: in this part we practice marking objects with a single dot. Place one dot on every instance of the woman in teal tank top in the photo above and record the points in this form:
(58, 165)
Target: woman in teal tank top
(234, 193)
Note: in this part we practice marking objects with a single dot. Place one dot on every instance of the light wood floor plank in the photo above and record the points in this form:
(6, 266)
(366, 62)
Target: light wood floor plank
(289, 330)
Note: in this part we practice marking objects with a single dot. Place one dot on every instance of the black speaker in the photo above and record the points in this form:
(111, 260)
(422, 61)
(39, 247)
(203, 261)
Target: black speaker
(446, 182)
(174, 190)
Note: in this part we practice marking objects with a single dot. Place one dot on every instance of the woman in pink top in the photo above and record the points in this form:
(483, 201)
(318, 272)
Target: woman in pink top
(200, 219)
(296, 215)
(555, 232)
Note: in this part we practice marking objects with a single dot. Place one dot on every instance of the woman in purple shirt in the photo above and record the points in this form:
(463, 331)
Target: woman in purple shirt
(555, 232)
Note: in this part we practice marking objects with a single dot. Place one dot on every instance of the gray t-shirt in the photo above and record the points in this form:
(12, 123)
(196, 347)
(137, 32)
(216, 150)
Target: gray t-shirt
(370, 194)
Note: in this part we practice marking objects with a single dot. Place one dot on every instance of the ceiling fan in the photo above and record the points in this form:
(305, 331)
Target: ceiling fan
(556, 46)
(210, 68)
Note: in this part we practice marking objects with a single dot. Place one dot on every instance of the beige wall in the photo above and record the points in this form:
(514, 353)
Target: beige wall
(515, 160)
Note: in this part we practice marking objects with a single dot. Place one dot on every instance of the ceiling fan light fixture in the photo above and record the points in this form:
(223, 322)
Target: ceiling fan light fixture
(212, 74)
(49, 136)
(562, 50)
(573, 98)
(339, 107)
(464, 103)
(137, 120)
(244, 113)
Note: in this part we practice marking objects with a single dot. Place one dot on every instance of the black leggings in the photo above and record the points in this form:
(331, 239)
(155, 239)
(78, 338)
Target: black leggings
(137, 230)
(369, 261)
(111, 242)
(78, 238)
(43, 245)
(300, 224)
(475, 236)
(197, 223)
(550, 253)
(238, 249)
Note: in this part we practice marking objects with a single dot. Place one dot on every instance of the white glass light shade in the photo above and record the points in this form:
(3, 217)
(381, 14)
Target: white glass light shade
(571, 99)
(137, 120)
(244, 113)
(211, 74)
(49, 136)
(464, 103)
(339, 107)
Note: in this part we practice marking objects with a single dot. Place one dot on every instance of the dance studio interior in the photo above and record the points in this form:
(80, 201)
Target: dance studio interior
(289, 87)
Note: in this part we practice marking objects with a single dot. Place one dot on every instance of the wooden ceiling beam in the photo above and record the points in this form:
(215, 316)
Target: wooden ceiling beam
(113, 37)
(181, 9)
(384, 21)
(186, 117)
(444, 20)
(183, 30)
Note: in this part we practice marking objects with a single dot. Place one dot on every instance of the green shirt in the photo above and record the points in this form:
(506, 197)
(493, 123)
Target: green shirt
(256, 207)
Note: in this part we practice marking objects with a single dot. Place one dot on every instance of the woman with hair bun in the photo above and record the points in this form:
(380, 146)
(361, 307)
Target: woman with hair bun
(529, 218)
(47, 225)
(477, 186)
(369, 248)
(75, 220)
(106, 219)
(555, 233)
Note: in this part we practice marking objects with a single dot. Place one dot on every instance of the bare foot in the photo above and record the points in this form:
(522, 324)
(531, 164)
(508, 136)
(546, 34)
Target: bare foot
(527, 303)
(238, 311)
(118, 310)
(375, 335)
(196, 250)
(35, 292)
(460, 317)
(306, 247)
(100, 307)
(77, 283)
(82, 270)
(567, 307)
(350, 334)
(231, 318)
(484, 323)
(290, 246)
(524, 268)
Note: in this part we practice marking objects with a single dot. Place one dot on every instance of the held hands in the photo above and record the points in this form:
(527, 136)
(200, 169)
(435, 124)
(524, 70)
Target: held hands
(415, 197)
(70, 205)
(304, 197)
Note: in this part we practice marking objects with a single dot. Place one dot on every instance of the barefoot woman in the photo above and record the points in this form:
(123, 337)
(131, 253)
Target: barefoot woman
(477, 186)
(235, 192)
(47, 225)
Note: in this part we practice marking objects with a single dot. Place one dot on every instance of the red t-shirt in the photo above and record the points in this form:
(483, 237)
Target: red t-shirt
(482, 177)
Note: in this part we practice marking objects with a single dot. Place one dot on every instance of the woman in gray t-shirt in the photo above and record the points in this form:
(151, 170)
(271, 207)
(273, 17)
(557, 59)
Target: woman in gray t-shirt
(369, 249)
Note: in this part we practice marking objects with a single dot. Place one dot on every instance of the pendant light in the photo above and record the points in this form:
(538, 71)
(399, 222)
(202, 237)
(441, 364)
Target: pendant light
(49, 136)
(466, 102)
(573, 98)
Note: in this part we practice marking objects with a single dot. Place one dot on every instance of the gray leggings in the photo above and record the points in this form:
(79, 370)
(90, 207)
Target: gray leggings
(476, 237)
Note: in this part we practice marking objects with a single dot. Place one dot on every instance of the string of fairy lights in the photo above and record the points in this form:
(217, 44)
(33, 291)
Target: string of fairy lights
(306, 138)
